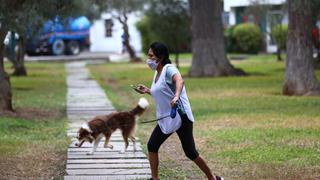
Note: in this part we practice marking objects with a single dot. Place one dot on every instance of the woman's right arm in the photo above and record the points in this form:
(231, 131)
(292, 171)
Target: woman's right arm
(142, 89)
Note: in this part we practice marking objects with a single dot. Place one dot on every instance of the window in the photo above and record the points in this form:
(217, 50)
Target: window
(108, 27)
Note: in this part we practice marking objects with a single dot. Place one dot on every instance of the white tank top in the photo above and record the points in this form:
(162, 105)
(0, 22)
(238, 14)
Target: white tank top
(162, 95)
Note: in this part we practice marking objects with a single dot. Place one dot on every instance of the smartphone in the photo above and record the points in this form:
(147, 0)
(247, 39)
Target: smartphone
(136, 88)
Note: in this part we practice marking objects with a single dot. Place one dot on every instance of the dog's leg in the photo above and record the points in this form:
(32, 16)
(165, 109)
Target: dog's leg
(133, 139)
(95, 145)
(126, 142)
(106, 142)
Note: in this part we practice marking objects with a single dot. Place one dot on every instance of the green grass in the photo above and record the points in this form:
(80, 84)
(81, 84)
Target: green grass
(39, 123)
(242, 123)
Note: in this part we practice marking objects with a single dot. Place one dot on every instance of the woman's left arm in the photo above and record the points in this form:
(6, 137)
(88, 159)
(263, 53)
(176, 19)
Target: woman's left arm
(178, 82)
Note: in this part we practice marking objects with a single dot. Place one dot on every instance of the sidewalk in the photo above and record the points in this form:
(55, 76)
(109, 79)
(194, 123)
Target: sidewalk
(83, 56)
(86, 99)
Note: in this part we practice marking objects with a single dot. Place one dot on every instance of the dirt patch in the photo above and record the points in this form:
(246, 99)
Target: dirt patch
(37, 162)
(267, 171)
(172, 157)
(112, 82)
(33, 113)
(253, 171)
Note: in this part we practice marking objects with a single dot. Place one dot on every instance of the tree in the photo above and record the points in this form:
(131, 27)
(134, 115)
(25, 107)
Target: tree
(209, 56)
(300, 77)
(16, 16)
(316, 17)
(120, 9)
(5, 86)
(169, 22)
(7, 20)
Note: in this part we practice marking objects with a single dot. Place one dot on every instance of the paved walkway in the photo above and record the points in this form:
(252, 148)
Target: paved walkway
(83, 56)
(87, 99)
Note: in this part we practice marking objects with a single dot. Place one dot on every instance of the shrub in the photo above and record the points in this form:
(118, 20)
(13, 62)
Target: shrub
(230, 41)
(279, 34)
(143, 28)
(248, 37)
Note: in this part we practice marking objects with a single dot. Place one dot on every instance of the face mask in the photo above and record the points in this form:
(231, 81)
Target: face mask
(152, 64)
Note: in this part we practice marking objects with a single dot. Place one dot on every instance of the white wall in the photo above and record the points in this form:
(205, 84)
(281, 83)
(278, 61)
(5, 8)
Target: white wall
(99, 42)
(236, 3)
(232, 16)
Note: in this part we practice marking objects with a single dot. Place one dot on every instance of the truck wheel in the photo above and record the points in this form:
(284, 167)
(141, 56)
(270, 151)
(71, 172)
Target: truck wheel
(58, 47)
(73, 48)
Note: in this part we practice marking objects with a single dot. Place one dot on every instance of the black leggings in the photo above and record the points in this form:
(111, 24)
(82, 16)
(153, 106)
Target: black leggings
(185, 135)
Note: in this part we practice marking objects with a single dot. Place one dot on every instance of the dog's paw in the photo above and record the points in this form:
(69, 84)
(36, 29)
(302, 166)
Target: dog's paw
(108, 146)
(90, 153)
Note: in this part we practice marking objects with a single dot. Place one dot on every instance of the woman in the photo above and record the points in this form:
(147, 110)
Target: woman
(168, 91)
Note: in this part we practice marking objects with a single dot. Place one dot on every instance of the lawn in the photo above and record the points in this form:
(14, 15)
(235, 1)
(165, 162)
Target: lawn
(33, 138)
(244, 128)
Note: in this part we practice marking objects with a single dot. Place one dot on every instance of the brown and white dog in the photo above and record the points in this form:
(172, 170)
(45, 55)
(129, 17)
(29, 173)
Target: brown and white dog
(100, 126)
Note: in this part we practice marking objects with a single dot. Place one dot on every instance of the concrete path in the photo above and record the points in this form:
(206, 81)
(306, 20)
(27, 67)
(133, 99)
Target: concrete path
(83, 56)
(85, 100)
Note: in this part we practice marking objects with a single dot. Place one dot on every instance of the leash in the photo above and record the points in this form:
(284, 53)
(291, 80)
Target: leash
(172, 114)
(143, 122)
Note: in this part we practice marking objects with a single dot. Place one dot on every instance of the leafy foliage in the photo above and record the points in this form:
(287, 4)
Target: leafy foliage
(167, 21)
(231, 42)
(248, 37)
(144, 29)
(279, 33)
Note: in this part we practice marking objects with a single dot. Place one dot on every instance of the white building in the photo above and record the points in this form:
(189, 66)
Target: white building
(105, 34)
(235, 10)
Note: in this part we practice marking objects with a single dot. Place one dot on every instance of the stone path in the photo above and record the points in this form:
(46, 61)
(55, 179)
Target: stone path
(85, 100)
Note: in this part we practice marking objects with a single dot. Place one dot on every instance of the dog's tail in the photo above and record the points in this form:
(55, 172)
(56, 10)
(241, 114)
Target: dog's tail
(143, 103)
(141, 107)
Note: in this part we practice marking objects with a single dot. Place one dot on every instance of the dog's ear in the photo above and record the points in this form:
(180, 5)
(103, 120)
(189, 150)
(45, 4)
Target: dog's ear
(86, 127)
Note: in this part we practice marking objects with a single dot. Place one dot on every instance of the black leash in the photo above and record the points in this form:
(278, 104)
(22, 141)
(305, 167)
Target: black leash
(143, 122)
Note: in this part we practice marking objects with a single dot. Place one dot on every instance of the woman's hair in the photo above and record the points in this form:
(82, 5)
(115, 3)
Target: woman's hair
(161, 51)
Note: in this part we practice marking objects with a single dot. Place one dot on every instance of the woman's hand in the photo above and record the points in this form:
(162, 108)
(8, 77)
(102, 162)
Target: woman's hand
(174, 101)
(142, 89)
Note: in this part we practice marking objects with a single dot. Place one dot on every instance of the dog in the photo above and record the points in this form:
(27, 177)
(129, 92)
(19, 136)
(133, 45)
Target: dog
(105, 125)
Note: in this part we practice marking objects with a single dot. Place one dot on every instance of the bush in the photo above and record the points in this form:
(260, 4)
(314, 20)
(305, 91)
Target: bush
(143, 28)
(279, 34)
(248, 37)
(174, 29)
(230, 41)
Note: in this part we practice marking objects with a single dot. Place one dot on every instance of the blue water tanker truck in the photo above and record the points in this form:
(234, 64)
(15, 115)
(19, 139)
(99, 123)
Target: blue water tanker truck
(58, 37)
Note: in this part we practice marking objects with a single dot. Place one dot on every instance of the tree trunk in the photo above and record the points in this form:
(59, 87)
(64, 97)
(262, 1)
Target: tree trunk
(177, 59)
(5, 87)
(208, 49)
(19, 68)
(279, 58)
(300, 77)
(132, 53)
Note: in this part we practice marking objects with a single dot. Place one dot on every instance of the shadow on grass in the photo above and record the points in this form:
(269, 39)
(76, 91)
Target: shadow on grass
(35, 113)
(22, 88)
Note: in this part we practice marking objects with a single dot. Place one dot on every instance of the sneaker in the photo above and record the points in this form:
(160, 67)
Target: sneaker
(219, 178)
